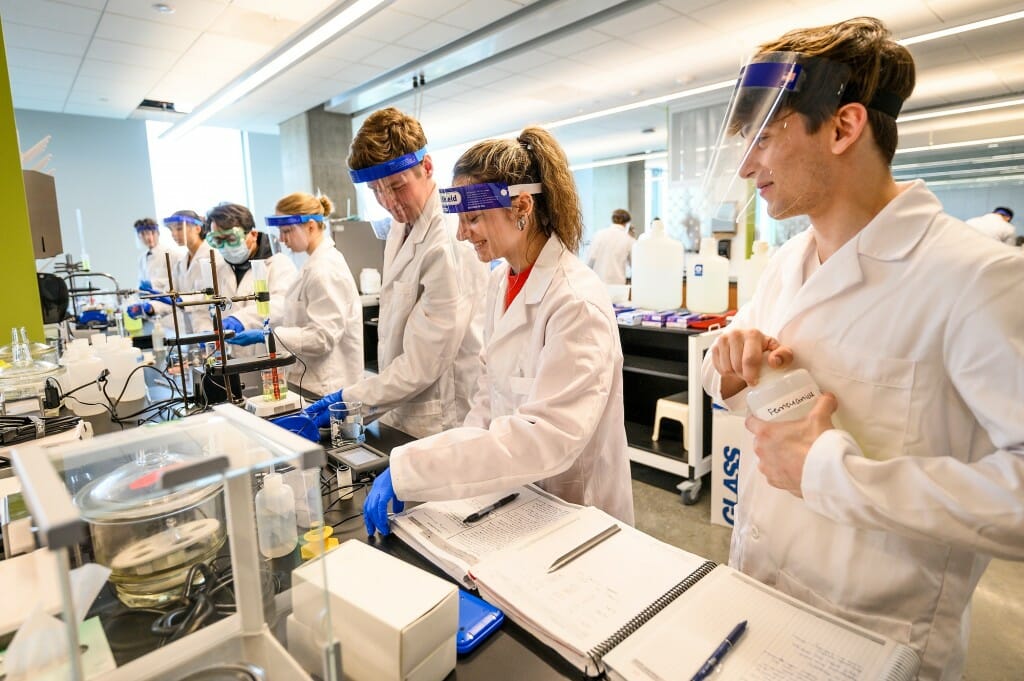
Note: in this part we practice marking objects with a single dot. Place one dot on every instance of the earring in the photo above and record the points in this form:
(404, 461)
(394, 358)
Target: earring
(521, 224)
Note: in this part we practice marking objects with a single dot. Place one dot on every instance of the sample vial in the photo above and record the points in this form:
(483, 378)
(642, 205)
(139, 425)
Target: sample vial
(783, 394)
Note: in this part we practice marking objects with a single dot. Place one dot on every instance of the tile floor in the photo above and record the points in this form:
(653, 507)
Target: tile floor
(996, 649)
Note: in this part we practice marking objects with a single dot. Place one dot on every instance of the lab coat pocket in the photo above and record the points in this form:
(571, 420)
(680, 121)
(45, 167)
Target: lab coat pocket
(874, 395)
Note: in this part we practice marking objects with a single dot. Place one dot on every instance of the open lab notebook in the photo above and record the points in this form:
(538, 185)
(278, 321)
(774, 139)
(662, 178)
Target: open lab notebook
(643, 610)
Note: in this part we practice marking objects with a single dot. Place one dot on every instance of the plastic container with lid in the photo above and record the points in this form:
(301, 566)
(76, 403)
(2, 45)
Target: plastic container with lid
(783, 394)
(657, 264)
(750, 272)
(276, 526)
(369, 280)
(707, 280)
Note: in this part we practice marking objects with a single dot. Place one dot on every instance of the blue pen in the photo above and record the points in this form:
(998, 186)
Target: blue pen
(723, 648)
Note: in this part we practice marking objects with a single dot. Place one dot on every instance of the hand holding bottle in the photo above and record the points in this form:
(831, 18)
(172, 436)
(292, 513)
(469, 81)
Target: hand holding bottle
(738, 355)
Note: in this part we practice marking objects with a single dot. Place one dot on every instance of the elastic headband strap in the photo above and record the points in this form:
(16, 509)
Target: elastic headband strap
(283, 220)
(168, 221)
(484, 196)
(388, 168)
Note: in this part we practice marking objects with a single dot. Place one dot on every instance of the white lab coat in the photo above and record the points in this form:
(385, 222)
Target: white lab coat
(321, 321)
(995, 227)
(188, 276)
(548, 407)
(280, 275)
(916, 325)
(610, 252)
(153, 265)
(429, 329)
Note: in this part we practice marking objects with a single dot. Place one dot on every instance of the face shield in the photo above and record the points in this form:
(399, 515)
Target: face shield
(470, 198)
(756, 141)
(290, 230)
(396, 185)
(149, 236)
(176, 224)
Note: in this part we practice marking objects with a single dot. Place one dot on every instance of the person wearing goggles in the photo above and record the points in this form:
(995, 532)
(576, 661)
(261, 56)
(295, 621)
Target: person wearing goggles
(320, 318)
(430, 311)
(887, 515)
(548, 407)
(233, 234)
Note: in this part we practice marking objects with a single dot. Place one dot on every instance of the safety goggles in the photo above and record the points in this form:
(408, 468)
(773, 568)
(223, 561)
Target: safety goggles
(179, 221)
(484, 196)
(220, 239)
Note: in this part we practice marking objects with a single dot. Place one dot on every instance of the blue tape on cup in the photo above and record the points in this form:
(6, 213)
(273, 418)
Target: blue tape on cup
(284, 220)
(771, 74)
(187, 219)
(484, 196)
(388, 168)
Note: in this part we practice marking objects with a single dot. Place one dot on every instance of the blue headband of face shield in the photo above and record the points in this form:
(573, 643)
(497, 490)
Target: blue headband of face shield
(147, 228)
(486, 196)
(182, 219)
(388, 168)
(285, 220)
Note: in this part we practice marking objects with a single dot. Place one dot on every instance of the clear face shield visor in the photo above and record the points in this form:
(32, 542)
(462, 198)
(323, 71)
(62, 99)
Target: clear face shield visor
(393, 185)
(287, 231)
(770, 89)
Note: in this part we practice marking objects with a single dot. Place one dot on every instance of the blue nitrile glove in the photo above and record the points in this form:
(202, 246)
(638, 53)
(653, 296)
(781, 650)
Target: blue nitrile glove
(136, 310)
(300, 424)
(232, 324)
(318, 410)
(248, 337)
(147, 286)
(375, 508)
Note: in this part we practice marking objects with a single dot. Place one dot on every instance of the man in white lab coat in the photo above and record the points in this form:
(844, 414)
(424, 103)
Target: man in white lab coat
(996, 225)
(548, 407)
(888, 514)
(611, 249)
(429, 329)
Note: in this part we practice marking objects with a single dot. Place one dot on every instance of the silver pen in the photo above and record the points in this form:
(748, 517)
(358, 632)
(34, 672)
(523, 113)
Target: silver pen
(569, 557)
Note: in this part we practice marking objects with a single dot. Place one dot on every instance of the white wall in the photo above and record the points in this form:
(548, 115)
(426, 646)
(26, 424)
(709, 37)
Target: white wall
(101, 167)
(267, 182)
(966, 202)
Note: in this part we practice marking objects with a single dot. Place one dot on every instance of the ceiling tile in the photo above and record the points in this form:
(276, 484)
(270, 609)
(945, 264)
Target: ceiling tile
(39, 104)
(359, 73)
(488, 77)
(680, 30)
(147, 33)
(88, 4)
(138, 55)
(222, 53)
(580, 40)
(100, 110)
(254, 27)
(194, 14)
(388, 25)
(350, 48)
(640, 19)
(432, 36)
(316, 67)
(474, 15)
(126, 73)
(688, 6)
(299, 11)
(36, 38)
(429, 9)
(391, 57)
(52, 15)
(59, 82)
(44, 61)
(37, 89)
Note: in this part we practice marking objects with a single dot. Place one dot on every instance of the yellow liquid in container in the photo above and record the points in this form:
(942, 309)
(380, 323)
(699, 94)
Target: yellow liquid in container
(133, 326)
(263, 309)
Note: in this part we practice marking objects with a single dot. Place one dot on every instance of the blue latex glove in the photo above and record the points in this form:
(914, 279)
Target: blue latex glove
(147, 286)
(375, 508)
(232, 324)
(318, 410)
(136, 310)
(248, 337)
(300, 424)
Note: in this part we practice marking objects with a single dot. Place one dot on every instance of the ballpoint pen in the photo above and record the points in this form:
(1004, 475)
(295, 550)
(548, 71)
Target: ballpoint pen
(569, 557)
(504, 501)
(724, 647)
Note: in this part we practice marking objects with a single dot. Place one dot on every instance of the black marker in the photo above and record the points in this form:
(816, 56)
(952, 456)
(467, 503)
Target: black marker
(504, 501)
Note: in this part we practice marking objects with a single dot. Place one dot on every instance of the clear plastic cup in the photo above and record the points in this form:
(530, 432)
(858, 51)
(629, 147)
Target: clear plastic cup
(346, 423)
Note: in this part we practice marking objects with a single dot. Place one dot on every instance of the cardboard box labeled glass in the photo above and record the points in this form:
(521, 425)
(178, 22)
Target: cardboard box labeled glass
(169, 510)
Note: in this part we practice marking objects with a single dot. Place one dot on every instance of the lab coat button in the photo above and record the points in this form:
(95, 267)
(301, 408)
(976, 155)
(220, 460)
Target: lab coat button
(755, 533)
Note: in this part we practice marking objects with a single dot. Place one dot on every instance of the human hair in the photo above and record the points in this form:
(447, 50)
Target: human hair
(532, 157)
(146, 223)
(231, 215)
(877, 63)
(621, 216)
(384, 136)
(301, 203)
(1004, 211)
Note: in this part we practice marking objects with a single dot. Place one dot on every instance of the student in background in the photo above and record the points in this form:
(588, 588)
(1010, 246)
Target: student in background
(996, 225)
(888, 515)
(548, 407)
(610, 251)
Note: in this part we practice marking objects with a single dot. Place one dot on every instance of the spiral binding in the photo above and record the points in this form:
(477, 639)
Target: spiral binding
(647, 613)
(903, 664)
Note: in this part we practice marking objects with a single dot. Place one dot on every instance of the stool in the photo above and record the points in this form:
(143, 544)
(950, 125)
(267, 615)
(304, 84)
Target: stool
(675, 408)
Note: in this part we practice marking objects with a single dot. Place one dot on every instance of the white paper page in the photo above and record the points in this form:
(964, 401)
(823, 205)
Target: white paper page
(583, 603)
(437, 527)
(785, 640)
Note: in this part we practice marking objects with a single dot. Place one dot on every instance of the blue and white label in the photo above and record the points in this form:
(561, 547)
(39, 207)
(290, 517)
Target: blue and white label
(698, 270)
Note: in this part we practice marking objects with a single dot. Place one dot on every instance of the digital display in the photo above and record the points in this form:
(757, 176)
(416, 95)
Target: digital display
(357, 457)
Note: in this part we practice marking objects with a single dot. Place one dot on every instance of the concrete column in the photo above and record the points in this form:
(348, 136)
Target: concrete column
(314, 146)
(637, 193)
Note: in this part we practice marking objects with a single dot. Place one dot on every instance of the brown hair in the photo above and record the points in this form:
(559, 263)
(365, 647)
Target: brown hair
(384, 136)
(621, 216)
(301, 203)
(878, 64)
(534, 156)
(146, 223)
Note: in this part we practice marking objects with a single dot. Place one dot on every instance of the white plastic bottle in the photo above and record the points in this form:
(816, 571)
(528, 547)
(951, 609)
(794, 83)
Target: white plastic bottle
(750, 272)
(783, 394)
(369, 280)
(707, 280)
(276, 528)
(657, 270)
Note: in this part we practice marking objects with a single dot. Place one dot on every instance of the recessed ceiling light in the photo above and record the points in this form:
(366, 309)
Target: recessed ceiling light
(163, 8)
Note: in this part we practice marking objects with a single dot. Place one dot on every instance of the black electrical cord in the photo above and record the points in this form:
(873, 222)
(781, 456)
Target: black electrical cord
(18, 429)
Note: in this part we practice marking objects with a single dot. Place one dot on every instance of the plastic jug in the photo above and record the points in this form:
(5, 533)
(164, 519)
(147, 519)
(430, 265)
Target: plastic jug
(276, 531)
(83, 367)
(707, 280)
(369, 280)
(657, 270)
(750, 272)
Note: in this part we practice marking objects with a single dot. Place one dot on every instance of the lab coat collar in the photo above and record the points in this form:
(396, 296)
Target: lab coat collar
(901, 224)
(402, 248)
(507, 321)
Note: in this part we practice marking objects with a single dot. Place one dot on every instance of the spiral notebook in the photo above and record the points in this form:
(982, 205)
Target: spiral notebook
(641, 610)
